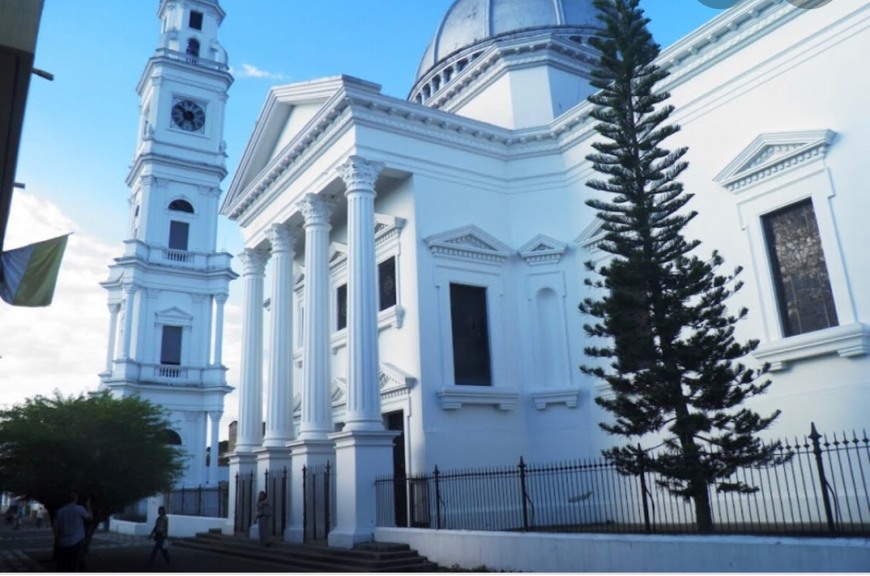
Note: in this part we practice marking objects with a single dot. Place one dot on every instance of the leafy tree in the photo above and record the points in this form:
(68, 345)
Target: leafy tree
(672, 360)
(112, 451)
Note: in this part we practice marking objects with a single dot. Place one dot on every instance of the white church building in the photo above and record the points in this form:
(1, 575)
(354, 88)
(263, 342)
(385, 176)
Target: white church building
(423, 258)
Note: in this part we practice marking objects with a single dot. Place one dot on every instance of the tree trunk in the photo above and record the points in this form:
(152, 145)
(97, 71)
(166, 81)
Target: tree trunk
(703, 512)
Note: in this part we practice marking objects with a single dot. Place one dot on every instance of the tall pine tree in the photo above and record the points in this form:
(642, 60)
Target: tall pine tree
(671, 360)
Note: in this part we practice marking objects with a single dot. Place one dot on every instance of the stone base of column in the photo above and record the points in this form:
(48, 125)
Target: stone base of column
(241, 465)
(360, 458)
(309, 454)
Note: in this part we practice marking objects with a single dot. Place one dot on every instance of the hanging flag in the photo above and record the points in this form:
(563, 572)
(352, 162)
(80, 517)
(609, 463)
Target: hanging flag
(29, 273)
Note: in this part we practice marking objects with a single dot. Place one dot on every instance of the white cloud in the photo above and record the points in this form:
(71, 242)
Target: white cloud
(251, 71)
(63, 346)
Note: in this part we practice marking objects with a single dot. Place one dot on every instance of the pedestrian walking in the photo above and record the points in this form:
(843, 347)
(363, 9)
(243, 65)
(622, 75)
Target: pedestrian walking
(69, 531)
(264, 516)
(160, 534)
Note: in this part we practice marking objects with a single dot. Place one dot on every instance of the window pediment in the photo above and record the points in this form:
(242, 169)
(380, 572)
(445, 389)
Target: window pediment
(174, 316)
(469, 243)
(542, 249)
(773, 153)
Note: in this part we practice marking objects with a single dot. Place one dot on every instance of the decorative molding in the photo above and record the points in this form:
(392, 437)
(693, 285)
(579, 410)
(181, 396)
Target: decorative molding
(338, 391)
(567, 396)
(847, 341)
(174, 316)
(469, 243)
(359, 174)
(456, 397)
(542, 249)
(773, 153)
(253, 262)
(315, 209)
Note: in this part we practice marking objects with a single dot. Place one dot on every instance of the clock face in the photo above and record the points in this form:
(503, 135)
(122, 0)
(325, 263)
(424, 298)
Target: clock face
(188, 115)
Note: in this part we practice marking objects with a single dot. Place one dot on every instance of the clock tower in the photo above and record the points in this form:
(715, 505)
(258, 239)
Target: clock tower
(167, 292)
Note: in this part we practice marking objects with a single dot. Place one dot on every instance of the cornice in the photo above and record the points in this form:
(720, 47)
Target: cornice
(219, 170)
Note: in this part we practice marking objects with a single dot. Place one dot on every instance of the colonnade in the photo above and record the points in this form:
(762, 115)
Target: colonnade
(362, 450)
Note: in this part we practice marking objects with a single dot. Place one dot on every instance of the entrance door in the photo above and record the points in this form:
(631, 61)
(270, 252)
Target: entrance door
(396, 421)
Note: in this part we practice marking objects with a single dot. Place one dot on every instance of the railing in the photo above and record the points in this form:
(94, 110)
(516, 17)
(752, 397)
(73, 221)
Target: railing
(211, 501)
(191, 59)
(318, 495)
(821, 490)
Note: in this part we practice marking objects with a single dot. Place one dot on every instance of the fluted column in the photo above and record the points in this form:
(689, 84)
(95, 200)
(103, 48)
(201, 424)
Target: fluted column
(316, 400)
(363, 391)
(279, 411)
(220, 300)
(129, 292)
(215, 447)
(114, 309)
(251, 381)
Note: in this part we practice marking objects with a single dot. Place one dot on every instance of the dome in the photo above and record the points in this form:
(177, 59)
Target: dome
(471, 22)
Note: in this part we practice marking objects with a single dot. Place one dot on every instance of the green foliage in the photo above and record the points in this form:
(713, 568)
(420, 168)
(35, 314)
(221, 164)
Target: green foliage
(671, 360)
(110, 450)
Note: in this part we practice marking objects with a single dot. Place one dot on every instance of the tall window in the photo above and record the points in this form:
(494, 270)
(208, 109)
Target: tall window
(468, 317)
(178, 232)
(803, 288)
(170, 347)
(192, 47)
(195, 21)
(387, 283)
(341, 307)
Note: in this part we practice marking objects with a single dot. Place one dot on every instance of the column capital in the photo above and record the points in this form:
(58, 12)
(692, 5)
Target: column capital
(316, 209)
(114, 307)
(130, 288)
(359, 173)
(221, 298)
(253, 262)
(215, 414)
(281, 237)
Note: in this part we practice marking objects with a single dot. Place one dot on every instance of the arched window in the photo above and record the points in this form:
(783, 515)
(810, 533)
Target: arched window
(172, 437)
(181, 206)
(193, 46)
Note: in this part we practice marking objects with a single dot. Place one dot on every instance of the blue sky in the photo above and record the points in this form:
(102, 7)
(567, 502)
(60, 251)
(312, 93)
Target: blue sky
(80, 130)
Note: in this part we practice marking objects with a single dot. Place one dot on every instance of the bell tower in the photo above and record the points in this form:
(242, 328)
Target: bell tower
(166, 293)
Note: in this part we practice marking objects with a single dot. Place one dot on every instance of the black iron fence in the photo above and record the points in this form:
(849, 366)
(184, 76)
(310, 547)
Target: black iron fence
(823, 489)
(277, 487)
(210, 501)
(318, 490)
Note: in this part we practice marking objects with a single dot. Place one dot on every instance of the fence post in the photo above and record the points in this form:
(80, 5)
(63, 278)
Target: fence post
(326, 499)
(283, 501)
(304, 503)
(437, 500)
(643, 490)
(823, 481)
(523, 495)
(238, 501)
(199, 499)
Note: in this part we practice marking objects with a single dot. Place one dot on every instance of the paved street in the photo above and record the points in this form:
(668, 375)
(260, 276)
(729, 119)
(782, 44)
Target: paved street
(29, 550)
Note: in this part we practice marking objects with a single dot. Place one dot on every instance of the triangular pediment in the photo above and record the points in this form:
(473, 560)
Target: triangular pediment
(174, 316)
(591, 235)
(773, 153)
(542, 249)
(289, 118)
(469, 243)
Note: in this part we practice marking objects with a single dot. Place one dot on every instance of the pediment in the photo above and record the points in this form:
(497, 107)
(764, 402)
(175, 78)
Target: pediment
(591, 235)
(174, 316)
(289, 116)
(542, 249)
(337, 256)
(469, 243)
(773, 153)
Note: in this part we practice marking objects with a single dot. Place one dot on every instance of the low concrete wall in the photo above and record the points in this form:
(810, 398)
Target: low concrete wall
(534, 552)
(179, 526)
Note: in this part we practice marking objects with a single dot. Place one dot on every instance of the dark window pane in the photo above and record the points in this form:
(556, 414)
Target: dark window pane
(178, 206)
(170, 348)
(178, 235)
(470, 335)
(800, 274)
(341, 306)
(195, 21)
(192, 47)
(387, 284)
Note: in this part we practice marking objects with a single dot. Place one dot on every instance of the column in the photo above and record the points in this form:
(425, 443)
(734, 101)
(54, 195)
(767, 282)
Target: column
(214, 445)
(129, 292)
(113, 334)
(363, 450)
(220, 300)
(316, 399)
(279, 408)
(363, 390)
(251, 380)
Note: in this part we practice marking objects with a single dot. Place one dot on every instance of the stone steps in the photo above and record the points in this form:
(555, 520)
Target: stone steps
(366, 557)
